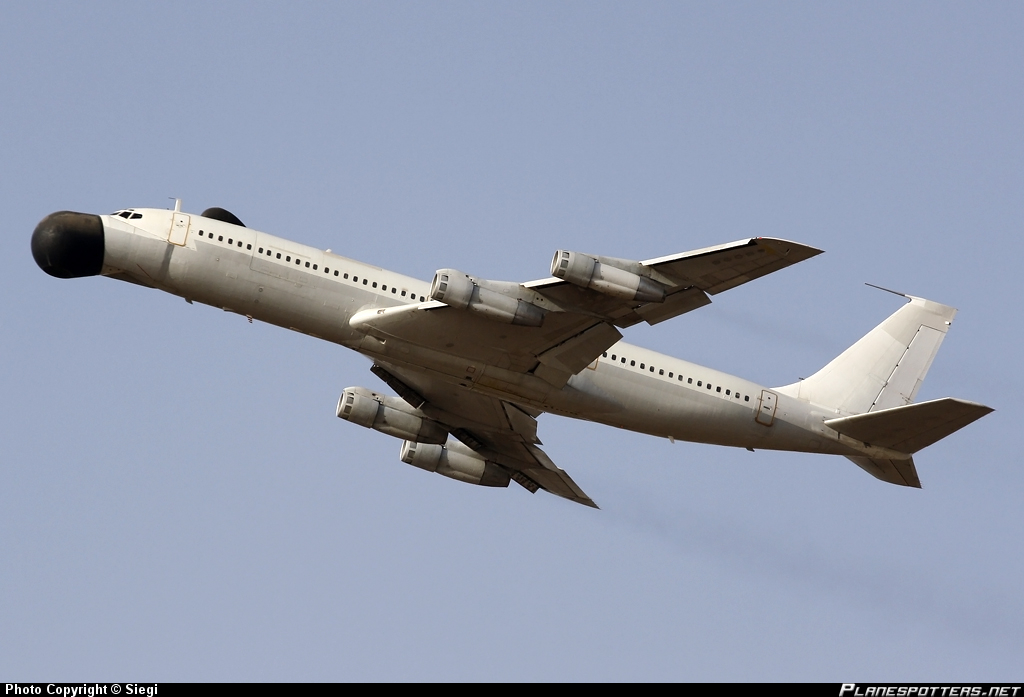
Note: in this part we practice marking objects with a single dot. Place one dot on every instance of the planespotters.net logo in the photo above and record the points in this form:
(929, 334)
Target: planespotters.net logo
(855, 690)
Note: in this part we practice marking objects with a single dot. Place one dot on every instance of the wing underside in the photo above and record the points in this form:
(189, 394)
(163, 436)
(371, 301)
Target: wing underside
(498, 430)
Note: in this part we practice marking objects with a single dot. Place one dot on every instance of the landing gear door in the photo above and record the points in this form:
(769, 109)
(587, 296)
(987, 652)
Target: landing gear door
(766, 408)
(179, 229)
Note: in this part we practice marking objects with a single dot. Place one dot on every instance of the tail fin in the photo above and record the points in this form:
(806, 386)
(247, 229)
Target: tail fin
(886, 367)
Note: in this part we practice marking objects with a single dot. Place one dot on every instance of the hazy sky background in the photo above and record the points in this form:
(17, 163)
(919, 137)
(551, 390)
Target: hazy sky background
(178, 500)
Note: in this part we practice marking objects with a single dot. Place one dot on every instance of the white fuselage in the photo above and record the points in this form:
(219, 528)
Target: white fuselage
(316, 292)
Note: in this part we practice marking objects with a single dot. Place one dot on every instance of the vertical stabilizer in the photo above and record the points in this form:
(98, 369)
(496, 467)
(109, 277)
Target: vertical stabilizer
(886, 367)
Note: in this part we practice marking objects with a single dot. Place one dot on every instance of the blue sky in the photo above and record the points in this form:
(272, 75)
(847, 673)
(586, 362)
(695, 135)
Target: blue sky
(179, 502)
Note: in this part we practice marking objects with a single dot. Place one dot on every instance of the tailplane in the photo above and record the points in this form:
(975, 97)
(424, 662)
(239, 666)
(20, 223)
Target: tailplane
(910, 428)
(872, 384)
(906, 429)
(901, 472)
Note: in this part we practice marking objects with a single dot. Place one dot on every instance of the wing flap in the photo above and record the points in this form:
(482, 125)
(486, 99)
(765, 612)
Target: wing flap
(498, 430)
(675, 304)
(575, 354)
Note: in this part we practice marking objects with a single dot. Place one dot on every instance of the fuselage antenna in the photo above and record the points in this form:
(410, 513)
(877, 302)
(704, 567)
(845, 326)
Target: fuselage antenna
(894, 292)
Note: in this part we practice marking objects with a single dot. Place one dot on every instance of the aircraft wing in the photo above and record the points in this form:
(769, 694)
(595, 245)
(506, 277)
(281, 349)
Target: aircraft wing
(498, 430)
(477, 346)
(689, 276)
(580, 323)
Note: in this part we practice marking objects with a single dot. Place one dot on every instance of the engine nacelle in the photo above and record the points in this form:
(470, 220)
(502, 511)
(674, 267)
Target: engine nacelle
(464, 292)
(389, 415)
(584, 270)
(454, 460)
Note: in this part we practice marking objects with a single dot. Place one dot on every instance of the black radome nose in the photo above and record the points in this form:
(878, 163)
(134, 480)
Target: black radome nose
(69, 245)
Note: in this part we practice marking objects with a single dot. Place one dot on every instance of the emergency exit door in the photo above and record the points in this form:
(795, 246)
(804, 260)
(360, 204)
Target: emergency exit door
(766, 408)
(179, 229)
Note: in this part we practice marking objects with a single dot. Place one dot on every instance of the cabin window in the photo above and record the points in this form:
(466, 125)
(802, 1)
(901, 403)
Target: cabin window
(307, 264)
(383, 287)
(747, 398)
(403, 293)
(270, 253)
(230, 241)
(671, 375)
(422, 298)
(279, 255)
(661, 372)
(632, 362)
(326, 270)
(240, 244)
(605, 354)
(709, 385)
(689, 381)
(336, 273)
(298, 262)
(699, 384)
(287, 258)
(641, 366)
(623, 359)
(364, 282)
(200, 233)
(727, 393)
(374, 284)
(718, 389)
(261, 250)
(220, 238)
(248, 247)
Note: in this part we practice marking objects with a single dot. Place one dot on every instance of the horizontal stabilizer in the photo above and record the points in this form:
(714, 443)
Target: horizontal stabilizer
(910, 428)
(901, 472)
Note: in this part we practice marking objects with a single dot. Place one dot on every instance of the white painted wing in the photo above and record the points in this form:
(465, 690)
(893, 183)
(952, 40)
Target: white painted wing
(471, 346)
(580, 323)
(498, 430)
(691, 277)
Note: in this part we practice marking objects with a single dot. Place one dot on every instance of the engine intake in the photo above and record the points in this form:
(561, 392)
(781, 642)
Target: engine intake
(456, 461)
(465, 292)
(604, 277)
(389, 415)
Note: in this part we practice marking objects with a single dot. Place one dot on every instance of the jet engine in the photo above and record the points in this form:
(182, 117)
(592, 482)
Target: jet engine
(465, 292)
(454, 460)
(604, 276)
(389, 415)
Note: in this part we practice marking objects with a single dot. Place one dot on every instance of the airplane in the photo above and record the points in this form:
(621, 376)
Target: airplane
(474, 362)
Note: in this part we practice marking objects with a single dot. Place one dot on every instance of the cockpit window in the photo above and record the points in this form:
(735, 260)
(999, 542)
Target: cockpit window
(136, 216)
(128, 214)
